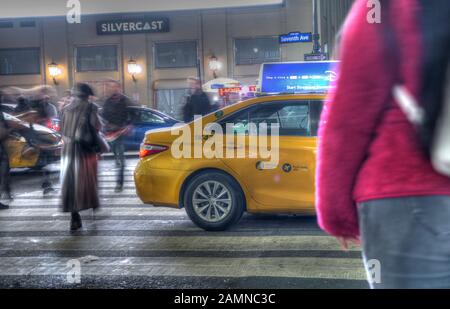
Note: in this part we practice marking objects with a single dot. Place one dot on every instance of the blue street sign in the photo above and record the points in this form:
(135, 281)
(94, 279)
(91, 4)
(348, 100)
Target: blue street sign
(316, 57)
(296, 37)
(298, 77)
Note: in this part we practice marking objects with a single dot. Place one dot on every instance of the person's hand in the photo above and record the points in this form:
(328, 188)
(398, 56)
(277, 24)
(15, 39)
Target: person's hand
(346, 241)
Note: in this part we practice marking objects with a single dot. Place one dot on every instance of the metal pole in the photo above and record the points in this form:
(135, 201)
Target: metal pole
(202, 51)
(316, 35)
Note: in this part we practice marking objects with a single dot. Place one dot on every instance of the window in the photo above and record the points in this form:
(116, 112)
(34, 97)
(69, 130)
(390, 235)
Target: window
(28, 24)
(171, 102)
(291, 118)
(257, 51)
(239, 122)
(20, 61)
(96, 58)
(294, 118)
(6, 24)
(143, 116)
(149, 117)
(175, 55)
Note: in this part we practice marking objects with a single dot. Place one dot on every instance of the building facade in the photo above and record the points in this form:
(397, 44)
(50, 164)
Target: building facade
(332, 14)
(178, 44)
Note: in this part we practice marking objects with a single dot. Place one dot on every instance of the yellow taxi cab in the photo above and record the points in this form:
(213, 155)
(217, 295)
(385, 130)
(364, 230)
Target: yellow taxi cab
(31, 145)
(216, 190)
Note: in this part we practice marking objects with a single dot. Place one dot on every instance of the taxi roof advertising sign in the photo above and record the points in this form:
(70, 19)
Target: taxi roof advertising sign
(298, 77)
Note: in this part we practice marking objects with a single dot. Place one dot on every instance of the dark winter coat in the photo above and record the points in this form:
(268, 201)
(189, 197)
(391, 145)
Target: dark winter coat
(79, 188)
(196, 104)
(115, 111)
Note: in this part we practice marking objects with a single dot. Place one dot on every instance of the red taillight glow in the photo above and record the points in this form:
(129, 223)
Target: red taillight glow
(53, 124)
(149, 149)
(56, 127)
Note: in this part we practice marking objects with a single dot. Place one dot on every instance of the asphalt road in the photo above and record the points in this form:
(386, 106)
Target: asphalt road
(130, 245)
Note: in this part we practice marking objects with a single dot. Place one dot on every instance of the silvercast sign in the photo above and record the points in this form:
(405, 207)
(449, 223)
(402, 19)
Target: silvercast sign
(133, 25)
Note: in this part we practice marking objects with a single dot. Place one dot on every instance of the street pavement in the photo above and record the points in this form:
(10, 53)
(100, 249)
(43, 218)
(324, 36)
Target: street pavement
(127, 244)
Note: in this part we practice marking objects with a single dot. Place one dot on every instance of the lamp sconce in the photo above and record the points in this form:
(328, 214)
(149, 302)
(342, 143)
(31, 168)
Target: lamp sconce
(134, 69)
(214, 65)
(54, 71)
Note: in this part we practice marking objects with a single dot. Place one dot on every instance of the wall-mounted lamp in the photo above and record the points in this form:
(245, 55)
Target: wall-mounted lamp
(214, 65)
(134, 69)
(54, 71)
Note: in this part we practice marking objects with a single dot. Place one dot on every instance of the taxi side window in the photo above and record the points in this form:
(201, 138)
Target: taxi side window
(239, 122)
(291, 117)
(265, 114)
(299, 118)
(294, 120)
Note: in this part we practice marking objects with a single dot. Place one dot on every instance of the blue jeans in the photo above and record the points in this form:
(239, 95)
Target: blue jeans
(409, 239)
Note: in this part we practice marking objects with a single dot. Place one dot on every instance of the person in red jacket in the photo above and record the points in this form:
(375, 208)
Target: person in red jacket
(375, 182)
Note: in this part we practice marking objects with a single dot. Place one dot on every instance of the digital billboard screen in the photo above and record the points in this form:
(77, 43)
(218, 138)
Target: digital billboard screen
(298, 77)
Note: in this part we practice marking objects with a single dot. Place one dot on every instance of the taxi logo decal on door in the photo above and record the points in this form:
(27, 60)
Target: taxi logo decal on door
(287, 167)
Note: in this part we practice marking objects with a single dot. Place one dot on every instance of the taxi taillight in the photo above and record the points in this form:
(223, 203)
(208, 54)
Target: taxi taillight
(53, 124)
(151, 149)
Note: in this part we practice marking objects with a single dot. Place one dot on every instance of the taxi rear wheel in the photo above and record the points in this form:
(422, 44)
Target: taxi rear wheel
(214, 201)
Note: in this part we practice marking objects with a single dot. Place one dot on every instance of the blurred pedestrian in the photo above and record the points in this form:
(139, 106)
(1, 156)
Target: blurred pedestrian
(65, 100)
(22, 106)
(117, 121)
(42, 102)
(80, 127)
(197, 103)
(36, 105)
(4, 159)
(374, 175)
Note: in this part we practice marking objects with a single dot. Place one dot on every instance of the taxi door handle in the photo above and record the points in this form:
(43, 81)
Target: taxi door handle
(207, 136)
(259, 166)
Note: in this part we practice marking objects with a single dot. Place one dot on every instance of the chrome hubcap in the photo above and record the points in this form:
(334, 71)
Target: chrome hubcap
(212, 201)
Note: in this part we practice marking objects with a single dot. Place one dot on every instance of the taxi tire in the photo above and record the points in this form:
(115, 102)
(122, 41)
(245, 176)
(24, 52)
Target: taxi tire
(237, 197)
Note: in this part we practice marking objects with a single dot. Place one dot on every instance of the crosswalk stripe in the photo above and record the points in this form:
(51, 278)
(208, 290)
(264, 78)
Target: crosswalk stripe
(96, 226)
(55, 203)
(97, 218)
(336, 254)
(160, 232)
(103, 211)
(39, 198)
(191, 266)
(102, 193)
(168, 227)
(205, 242)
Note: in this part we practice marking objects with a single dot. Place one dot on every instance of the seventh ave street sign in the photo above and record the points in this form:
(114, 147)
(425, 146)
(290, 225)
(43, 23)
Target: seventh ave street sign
(133, 25)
